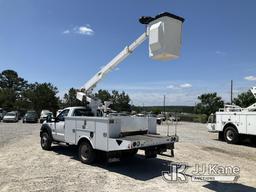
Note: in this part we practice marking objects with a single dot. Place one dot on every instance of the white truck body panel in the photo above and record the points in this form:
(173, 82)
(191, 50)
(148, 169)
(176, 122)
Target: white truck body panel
(244, 121)
(113, 133)
(103, 133)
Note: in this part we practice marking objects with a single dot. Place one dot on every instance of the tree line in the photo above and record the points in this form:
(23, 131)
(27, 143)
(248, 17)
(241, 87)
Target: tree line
(18, 94)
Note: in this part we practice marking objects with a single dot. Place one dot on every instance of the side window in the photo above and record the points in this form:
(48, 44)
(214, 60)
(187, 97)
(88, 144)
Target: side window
(82, 112)
(78, 112)
(62, 115)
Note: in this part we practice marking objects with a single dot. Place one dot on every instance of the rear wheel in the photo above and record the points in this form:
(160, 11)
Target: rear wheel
(46, 141)
(221, 136)
(86, 153)
(231, 135)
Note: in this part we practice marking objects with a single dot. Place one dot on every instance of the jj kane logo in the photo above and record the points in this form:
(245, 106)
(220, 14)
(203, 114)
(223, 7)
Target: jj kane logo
(201, 172)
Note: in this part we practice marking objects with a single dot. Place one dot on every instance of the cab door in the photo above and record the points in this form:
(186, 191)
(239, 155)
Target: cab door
(211, 123)
(60, 125)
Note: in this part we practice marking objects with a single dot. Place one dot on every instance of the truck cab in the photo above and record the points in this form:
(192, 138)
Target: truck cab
(57, 124)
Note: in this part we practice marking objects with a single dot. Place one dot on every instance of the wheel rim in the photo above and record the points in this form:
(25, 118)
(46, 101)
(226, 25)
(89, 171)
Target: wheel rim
(85, 152)
(230, 135)
(44, 141)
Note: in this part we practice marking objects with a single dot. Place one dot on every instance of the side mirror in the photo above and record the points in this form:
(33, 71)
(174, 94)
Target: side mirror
(50, 119)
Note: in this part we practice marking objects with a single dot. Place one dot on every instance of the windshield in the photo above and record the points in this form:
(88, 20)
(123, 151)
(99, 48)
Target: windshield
(45, 112)
(31, 113)
(212, 118)
(11, 114)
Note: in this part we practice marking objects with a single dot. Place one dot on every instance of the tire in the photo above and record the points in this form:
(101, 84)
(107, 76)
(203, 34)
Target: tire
(86, 153)
(231, 135)
(221, 136)
(253, 139)
(46, 141)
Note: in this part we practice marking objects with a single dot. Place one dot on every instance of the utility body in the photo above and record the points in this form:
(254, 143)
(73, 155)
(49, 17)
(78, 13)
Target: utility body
(114, 135)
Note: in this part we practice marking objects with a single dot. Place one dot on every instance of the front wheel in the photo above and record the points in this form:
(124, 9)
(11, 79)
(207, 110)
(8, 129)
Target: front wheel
(46, 141)
(231, 135)
(86, 153)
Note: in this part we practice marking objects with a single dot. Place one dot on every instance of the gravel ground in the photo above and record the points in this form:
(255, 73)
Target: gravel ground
(24, 166)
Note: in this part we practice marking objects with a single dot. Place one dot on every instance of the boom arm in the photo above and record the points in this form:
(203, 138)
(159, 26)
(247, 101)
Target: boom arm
(89, 85)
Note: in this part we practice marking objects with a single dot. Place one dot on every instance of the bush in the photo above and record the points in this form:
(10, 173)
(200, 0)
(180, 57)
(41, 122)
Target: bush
(199, 118)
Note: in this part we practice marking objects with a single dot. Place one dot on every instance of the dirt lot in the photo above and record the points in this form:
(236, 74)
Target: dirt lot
(24, 166)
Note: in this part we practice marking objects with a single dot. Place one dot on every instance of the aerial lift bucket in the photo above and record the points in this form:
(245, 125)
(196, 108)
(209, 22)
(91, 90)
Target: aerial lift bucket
(165, 36)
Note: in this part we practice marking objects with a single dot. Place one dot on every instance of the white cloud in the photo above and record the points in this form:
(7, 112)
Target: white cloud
(170, 87)
(185, 85)
(66, 32)
(250, 78)
(81, 30)
(220, 52)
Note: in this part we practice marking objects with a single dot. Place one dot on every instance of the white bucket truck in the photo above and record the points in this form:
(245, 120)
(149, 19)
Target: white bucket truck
(92, 130)
(233, 122)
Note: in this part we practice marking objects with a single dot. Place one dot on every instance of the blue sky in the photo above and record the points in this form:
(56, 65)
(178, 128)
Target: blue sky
(66, 42)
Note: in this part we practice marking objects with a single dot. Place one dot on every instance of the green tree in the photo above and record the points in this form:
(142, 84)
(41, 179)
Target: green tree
(41, 96)
(209, 103)
(70, 99)
(12, 88)
(156, 111)
(9, 79)
(7, 99)
(103, 95)
(245, 99)
(120, 101)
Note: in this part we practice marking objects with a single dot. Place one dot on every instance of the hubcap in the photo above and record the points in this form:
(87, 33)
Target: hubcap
(44, 141)
(230, 135)
(84, 152)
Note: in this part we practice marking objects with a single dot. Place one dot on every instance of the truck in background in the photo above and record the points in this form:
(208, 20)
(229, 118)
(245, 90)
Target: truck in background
(233, 122)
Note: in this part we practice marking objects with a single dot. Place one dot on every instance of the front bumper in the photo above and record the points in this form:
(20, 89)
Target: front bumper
(211, 127)
(30, 120)
(9, 120)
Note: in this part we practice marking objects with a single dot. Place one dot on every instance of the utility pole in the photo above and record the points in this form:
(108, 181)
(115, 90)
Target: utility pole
(164, 104)
(231, 93)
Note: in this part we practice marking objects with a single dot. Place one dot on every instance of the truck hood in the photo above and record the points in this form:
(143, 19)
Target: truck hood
(9, 117)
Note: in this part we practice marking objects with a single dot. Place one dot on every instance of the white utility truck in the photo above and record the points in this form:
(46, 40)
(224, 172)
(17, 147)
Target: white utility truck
(233, 122)
(93, 130)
